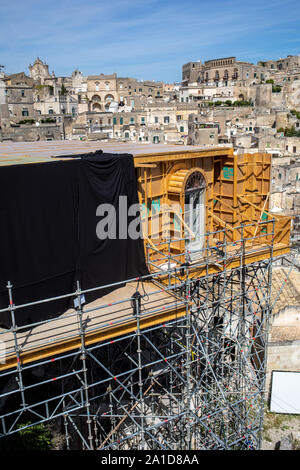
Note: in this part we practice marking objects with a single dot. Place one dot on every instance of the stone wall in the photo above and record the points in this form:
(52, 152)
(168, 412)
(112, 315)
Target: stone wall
(283, 355)
(29, 133)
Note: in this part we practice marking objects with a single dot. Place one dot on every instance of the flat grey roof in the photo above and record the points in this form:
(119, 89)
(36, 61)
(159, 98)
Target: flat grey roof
(12, 153)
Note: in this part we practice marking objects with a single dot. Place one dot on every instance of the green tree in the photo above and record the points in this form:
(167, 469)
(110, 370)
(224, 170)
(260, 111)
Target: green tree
(276, 89)
(242, 103)
(295, 113)
(63, 90)
(37, 437)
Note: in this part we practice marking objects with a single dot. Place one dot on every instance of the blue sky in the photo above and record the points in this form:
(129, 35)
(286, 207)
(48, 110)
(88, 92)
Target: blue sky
(145, 39)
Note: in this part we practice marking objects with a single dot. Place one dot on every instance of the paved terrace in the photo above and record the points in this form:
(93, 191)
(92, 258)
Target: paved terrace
(12, 153)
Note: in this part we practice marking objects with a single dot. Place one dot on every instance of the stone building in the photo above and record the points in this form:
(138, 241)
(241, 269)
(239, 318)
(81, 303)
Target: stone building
(284, 338)
(39, 71)
(48, 102)
(225, 71)
(17, 102)
(102, 90)
(287, 64)
(201, 132)
(79, 83)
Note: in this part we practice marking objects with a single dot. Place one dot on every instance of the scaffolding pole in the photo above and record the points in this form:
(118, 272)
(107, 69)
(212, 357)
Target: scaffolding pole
(195, 381)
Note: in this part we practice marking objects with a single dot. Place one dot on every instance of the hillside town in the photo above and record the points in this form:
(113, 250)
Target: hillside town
(250, 107)
(221, 105)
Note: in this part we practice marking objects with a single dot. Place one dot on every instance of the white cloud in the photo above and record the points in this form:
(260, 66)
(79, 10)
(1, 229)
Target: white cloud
(98, 36)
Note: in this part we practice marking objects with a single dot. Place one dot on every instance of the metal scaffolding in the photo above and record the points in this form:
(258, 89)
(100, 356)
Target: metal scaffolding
(191, 380)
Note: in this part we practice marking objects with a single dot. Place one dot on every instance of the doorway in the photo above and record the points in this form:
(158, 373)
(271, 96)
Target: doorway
(194, 214)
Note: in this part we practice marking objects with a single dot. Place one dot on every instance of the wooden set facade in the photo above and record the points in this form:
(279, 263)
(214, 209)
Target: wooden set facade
(237, 189)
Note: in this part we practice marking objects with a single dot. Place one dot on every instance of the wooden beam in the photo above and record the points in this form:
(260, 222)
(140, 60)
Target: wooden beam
(145, 165)
(180, 155)
(220, 221)
(257, 207)
(262, 211)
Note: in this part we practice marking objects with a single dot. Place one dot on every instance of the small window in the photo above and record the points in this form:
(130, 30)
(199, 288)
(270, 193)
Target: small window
(166, 119)
(181, 129)
(294, 149)
(142, 120)
(115, 120)
(156, 119)
(131, 120)
(121, 120)
(50, 111)
(22, 92)
(25, 112)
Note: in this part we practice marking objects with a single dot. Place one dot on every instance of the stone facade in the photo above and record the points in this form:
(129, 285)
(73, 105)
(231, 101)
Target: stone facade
(17, 99)
(222, 71)
(284, 338)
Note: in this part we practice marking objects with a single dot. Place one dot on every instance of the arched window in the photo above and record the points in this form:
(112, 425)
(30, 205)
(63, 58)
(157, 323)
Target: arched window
(109, 98)
(235, 75)
(96, 98)
(96, 107)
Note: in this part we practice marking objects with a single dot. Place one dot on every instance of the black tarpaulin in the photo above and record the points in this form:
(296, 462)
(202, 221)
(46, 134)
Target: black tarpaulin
(103, 180)
(48, 237)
